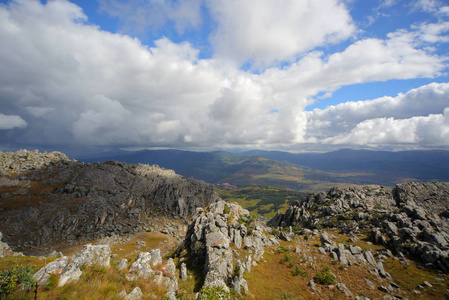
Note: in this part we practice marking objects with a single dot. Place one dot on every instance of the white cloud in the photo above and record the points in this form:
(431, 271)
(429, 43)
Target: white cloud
(417, 117)
(10, 122)
(139, 16)
(432, 130)
(269, 31)
(70, 83)
(427, 5)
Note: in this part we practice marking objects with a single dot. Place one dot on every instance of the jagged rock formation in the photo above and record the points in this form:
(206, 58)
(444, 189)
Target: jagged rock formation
(24, 161)
(71, 272)
(411, 220)
(214, 233)
(47, 198)
(100, 255)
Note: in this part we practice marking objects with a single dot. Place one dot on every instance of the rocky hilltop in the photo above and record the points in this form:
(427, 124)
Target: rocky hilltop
(361, 242)
(412, 219)
(46, 198)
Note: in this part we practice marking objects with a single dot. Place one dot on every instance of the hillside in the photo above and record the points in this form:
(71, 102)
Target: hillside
(378, 167)
(47, 198)
(239, 170)
(302, 171)
(142, 232)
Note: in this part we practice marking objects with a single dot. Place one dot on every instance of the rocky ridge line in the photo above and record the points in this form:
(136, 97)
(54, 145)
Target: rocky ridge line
(69, 201)
(214, 235)
(412, 220)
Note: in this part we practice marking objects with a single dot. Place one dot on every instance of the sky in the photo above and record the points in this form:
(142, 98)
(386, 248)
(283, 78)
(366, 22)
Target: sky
(86, 76)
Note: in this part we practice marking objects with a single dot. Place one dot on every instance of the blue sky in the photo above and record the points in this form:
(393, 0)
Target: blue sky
(296, 75)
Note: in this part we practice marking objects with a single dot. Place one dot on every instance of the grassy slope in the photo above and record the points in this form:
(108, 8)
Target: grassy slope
(264, 201)
(241, 170)
(272, 278)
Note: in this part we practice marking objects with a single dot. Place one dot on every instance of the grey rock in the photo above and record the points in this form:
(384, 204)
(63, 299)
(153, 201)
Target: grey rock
(217, 240)
(90, 254)
(426, 283)
(55, 267)
(370, 258)
(141, 267)
(171, 267)
(285, 237)
(123, 264)
(342, 287)
(312, 286)
(156, 258)
(115, 198)
(342, 254)
(183, 274)
(135, 294)
(370, 284)
(208, 238)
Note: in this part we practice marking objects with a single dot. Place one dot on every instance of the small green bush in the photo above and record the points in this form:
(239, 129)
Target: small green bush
(16, 278)
(299, 272)
(286, 258)
(214, 293)
(282, 249)
(325, 277)
(286, 296)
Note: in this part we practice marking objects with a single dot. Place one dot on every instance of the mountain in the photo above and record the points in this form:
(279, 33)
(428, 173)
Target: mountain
(302, 171)
(152, 234)
(47, 198)
(379, 167)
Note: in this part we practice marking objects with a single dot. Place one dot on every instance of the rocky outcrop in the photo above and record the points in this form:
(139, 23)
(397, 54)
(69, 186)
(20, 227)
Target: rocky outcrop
(70, 201)
(411, 220)
(331, 209)
(5, 250)
(24, 161)
(214, 233)
(70, 272)
(142, 266)
(135, 294)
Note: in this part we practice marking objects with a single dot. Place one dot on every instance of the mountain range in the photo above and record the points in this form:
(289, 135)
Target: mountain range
(297, 171)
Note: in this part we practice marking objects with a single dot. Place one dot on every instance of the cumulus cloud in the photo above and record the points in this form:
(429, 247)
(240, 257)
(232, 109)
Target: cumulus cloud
(432, 130)
(71, 83)
(417, 117)
(137, 16)
(10, 122)
(269, 31)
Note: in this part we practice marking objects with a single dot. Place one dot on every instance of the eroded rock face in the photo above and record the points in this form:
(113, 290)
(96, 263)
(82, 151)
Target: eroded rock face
(141, 267)
(71, 272)
(211, 237)
(89, 255)
(71, 201)
(412, 219)
(55, 267)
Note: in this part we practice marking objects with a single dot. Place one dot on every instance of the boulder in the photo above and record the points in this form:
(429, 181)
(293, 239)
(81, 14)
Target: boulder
(55, 267)
(141, 267)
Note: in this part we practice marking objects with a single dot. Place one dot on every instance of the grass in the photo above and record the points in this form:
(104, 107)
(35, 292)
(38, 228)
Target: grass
(408, 277)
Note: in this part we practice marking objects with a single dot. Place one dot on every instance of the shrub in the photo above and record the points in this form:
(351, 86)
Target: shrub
(237, 270)
(214, 293)
(282, 249)
(325, 277)
(16, 278)
(286, 296)
(286, 258)
(299, 272)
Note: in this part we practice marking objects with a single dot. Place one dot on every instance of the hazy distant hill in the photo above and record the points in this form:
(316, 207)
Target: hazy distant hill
(304, 171)
(384, 167)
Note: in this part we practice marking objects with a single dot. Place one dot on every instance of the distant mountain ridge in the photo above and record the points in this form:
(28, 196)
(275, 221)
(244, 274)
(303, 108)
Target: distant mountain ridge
(302, 171)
